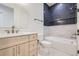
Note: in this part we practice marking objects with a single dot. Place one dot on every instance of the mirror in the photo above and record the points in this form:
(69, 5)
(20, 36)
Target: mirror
(6, 16)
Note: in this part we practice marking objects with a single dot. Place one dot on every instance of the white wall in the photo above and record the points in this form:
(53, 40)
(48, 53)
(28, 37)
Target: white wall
(21, 19)
(35, 12)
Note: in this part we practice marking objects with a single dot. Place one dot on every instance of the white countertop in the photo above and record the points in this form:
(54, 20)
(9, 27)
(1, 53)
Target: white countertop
(16, 34)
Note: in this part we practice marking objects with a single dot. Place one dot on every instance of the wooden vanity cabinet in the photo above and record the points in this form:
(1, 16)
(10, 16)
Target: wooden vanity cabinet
(25, 45)
(19, 50)
(11, 51)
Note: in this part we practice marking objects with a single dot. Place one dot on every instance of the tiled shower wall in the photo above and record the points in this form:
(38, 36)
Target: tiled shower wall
(66, 31)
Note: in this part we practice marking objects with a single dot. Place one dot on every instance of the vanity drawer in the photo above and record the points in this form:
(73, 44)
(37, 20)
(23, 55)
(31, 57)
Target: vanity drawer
(6, 41)
(33, 45)
(12, 39)
(33, 37)
(22, 38)
(34, 52)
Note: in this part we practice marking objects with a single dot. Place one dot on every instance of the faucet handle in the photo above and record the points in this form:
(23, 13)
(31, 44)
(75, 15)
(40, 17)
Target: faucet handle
(17, 31)
(7, 31)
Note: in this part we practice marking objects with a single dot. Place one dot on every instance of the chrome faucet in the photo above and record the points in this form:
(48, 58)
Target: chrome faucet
(12, 30)
(13, 27)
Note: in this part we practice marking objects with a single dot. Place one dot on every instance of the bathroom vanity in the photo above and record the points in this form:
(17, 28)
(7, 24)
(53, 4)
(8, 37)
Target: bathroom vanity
(19, 44)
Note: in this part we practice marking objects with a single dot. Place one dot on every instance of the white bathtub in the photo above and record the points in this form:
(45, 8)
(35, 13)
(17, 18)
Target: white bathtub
(62, 40)
(62, 46)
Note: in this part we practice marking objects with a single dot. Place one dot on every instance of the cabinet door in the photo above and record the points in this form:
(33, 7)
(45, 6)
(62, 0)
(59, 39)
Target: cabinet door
(8, 51)
(22, 38)
(22, 50)
(33, 48)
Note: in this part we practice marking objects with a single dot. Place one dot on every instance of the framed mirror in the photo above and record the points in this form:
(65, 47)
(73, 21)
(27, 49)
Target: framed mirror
(6, 16)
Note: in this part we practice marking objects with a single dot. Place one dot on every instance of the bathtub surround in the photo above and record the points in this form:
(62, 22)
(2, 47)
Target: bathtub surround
(60, 29)
(66, 31)
(60, 20)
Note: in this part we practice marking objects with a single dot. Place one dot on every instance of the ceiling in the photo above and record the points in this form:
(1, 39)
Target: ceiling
(50, 4)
